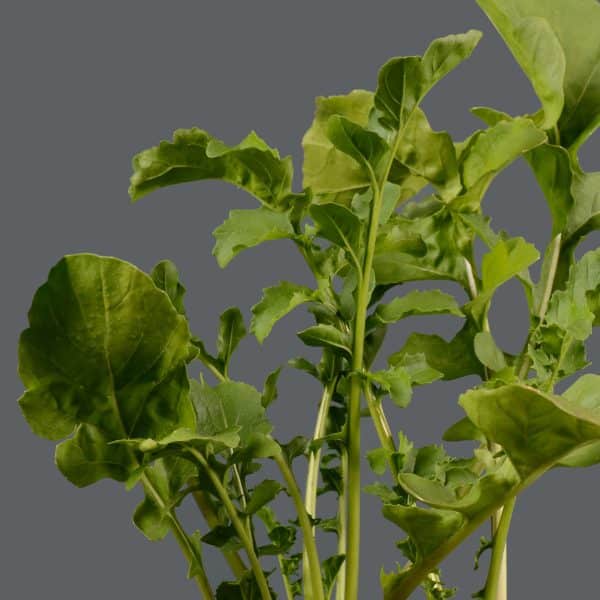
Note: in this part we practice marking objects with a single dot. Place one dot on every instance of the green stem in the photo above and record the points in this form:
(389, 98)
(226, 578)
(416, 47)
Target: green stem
(182, 539)
(362, 305)
(340, 585)
(496, 584)
(237, 524)
(305, 524)
(312, 481)
(289, 593)
(205, 504)
(382, 427)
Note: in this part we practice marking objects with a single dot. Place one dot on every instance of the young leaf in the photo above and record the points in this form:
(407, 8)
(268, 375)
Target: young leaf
(326, 336)
(429, 154)
(105, 349)
(262, 494)
(417, 302)
(488, 352)
(326, 170)
(507, 259)
(269, 393)
(338, 225)
(231, 331)
(194, 155)
(166, 278)
(396, 381)
(404, 82)
(245, 229)
(330, 569)
(364, 146)
(277, 301)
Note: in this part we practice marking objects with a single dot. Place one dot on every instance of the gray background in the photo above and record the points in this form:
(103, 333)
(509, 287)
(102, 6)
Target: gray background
(88, 84)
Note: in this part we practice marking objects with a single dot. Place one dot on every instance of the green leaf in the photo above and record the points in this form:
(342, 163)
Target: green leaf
(224, 537)
(538, 52)
(166, 278)
(552, 168)
(327, 170)
(167, 476)
(585, 213)
(269, 393)
(428, 241)
(495, 148)
(329, 571)
(277, 301)
(428, 528)
(338, 225)
(429, 154)
(105, 351)
(488, 352)
(507, 259)
(453, 359)
(378, 459)
(229, 404)
(88, 457)
(535, 429)
(364, 146)
(245, 229)
(577, 308)
(194, 155)
(396, 381)
(231, 331)
(521, 23)
(326, 336)
(404, 82)
(262, 494)
(462, 431)
(417, 302)
(418, 369)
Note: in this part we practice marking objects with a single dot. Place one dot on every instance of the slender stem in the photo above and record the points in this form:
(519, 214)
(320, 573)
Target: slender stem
(524, 362)
(237, 524)
(340, 586)
(496, 584)
(305, 524)
(382, 426)
(205, 504)
(289, 593)
(182, 539)
(312, 480)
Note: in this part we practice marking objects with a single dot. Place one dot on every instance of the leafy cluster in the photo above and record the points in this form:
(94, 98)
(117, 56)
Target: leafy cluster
(108, 355)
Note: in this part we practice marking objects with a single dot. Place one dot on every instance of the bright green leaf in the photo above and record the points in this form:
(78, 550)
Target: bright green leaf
(277, 301)
(194, 155)
(326, 336)
(245, 229)
(417, 302)
(166, 278)
(488, 352)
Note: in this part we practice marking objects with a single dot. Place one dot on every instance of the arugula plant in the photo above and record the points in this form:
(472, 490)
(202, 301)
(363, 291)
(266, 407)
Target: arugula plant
(111, 367)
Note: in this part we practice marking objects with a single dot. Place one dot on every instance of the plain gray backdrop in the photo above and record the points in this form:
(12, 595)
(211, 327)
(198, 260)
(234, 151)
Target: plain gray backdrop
(85, 85)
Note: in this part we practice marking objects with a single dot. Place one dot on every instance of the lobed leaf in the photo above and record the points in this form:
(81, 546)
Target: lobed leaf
(277, 301)
(194, 155)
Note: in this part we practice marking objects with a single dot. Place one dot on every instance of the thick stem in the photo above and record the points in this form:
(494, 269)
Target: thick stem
(305, 524)
(204, 503)
(239, 527)
(496, 584)
(182, 539)
(340, 585)
(312, 481)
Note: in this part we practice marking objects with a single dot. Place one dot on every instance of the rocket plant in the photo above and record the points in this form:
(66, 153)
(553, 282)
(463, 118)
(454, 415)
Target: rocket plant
(115, 375)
